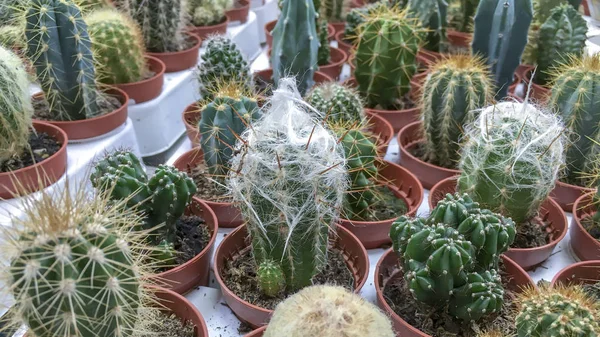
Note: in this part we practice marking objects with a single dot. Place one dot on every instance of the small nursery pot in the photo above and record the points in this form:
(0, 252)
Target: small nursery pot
(181, 60)
(194, 272)
(428, 174)
(227, 214)
(148, 89)
(269, 26)
(191, 116)
(374, 234)
(239, 12)
(538, 92)
(580, 273)
(566, 194)
(584, 245)
(384, 132)
(266, 75)
(182, 308)
(459, 39)
(342, 43)
(354, 253)
(257, 332)
(40, 175)
(339, 26)
(96, 126)
(387, 271)
(334, 68)
(528, 258)
(427, 57)
(205, 31)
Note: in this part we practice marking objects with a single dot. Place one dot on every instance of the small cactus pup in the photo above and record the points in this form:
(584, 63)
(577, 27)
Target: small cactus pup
(456, 88)
(209, 12)
(328, 311)
(162, 23)
(118, 47)
(500, 36)
(432, 14)
(337, 103)
(289, 179)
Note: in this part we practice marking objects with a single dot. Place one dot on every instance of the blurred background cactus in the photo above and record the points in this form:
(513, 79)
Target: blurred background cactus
(432, 14)
(324, 53)
(334, 10)
(209, 12)
(337, 103)
(461, 14)
(356, 16)
(162, 23)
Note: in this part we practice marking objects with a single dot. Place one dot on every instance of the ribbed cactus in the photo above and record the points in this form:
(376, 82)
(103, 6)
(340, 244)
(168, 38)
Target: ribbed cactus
(456, 87)
(15, 106)
(335, 10)
(558, 311)
(324, 53)
(541, 11)
(386, 53)
(500, 35)
(357, 16)
(162, 23)
(209, 12)
(337, 103)
(432, 16)
(59, 47)
(511, 158)
(328, 311)
(289, 179)
(118, 47)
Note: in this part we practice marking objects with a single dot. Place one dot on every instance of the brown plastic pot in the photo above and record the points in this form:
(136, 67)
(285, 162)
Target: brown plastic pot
(239, 12)
(374, 234)
(148, 89)
(267, 75)
(181, 60)
(566, 194)
(96, 126)
(428, 174)
(580, 273)
(191, 116)
(338, 26)
(584, 245)
(205, 31)
(354, 253)
(257, 332)
(334, 68)
(387, 271)
(269, 26)
(195, 272)
(383, 131)
(459, 39)
(182, 308)
(343, 44)
(538, 92)
(427, 57)
(528, 258)
(40, 175)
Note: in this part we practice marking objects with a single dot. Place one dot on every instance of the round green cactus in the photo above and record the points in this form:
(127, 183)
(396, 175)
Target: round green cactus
(270, 277)
(338, 103)
(481, 295)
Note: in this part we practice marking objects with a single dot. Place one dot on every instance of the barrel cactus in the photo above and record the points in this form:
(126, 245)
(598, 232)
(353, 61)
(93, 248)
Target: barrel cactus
(289, 180)
(209, 12)
(118, 47)
(432, 14)
(162, 23)
(337, 103)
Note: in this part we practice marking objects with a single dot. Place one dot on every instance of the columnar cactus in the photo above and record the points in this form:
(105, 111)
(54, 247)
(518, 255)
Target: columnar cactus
(337, 103)
(324, 53)
(335, 10)
(209, 12)
(511, 158)
(541, 11)
(500, 35)
(59, 47)
(162, 23)
(432, 15)
(456, 87)
(328, 311)
(468, 9)
(118, 47)
(289, 179)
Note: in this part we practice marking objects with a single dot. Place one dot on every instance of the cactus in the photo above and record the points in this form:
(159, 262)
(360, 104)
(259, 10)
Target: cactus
(88, 6)
(15, 106)
(559, 311)
(289, 179)
(222, 62)
(59, 47)
(541, 11)
(468, 9)
(10, 10)
(357, 16)
(118, 47)
(432, 15)
(491, 333)
(456, 87)
(386, 56)
(162, 23)
(337, 103)
(335, 10)
(12, 37)
(324, 52)
(500, 35)
(328, 311)
(511, 158)
(209, 12)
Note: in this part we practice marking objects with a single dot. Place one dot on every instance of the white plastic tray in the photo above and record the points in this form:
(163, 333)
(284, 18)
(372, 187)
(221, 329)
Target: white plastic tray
(265, 13)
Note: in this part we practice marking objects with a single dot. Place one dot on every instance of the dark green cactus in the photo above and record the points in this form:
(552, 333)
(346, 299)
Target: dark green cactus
(432, 15)
(468, 8)
(59, 47)
(334, 10)
(162, 23)
(12, 37)
(500, 35)
(482, 295)
(337, 103)
(324, 53)
(209, 12)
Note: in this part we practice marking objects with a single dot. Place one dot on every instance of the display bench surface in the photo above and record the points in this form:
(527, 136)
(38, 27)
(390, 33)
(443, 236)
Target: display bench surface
(266, 11)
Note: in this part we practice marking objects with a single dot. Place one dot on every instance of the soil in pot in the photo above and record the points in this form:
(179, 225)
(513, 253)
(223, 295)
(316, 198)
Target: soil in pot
(593, 290)
(591, 226)
(386, 206)
(531, 234)
(106, 103)
(165, 324)
(41, 146)
(191, 238)
(208, 188)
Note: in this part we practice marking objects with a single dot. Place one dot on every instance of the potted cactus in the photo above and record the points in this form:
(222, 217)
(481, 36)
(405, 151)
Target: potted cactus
(585, 229)
(238, 11)
(460, 22)
(208, 17)
(334, 12)
(288, 178)
(432, 14)
(580, 273)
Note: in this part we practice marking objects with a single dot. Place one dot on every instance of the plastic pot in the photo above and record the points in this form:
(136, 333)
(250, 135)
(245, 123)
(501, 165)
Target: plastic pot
(354, 253)
(584, 245)
(343, 44)
(181, 60)
(182, 308)
(148, 89)
(205, 31)
(191, 116)
(266, 75)
(427, 57)
(580, 273)
(459, 39)
(334, 68)
(384, 132)
(338, 26)
(239, 12)
(269, 26)
(566, 194)
(257, 332)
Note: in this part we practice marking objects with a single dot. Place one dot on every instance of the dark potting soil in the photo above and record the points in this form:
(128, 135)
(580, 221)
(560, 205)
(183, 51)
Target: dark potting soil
(531, 234)
(107, 104)
(591, 226)
(192, 237)
(239, 276)
(169, 325)
(387, 206)
(403, 103)
(438, 323)
(263, 87)
(41, 147)
(593, 289)
(208, 188)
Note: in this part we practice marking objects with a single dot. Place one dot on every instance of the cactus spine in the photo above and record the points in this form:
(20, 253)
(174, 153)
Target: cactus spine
(500, 35)
(454, 90)
(12, 37)
(432, 15)
(162, 23)
(356, 17)
(335, 10)
(337, 103)
(59, 47)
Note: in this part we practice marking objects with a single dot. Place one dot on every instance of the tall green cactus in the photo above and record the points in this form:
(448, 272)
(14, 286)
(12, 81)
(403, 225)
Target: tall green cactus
(162, 23)
(468, 9)
(296, 44)
(335, 10)
(500, 35)
(337, 103)
(432, 15)
(59, 47)
(324, 52)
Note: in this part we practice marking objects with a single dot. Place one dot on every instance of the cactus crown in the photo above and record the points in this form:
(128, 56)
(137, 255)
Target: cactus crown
(328, 311)
(209, 12)
(337, 103)
(162, 23)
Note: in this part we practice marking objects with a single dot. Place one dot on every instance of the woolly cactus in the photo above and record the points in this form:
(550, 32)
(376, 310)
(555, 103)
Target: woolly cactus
(511, 158)
(117, 43)
(15, 106)
(432, 15)
(289, 179)
(335, 10)
(456, 87)
(162, 23)
(328, 311)
(59, 47)
(386, 56)
(337, 103)
(500, 35)
(209, 12)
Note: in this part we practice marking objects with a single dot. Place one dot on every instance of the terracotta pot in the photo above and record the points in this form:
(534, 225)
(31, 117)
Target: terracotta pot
(96, 126)
(427, 58)
(522, 69)
(528, 258)
(580, 273)
(343, 44)
(584, 245)
(148, 89)
(269, 26)
(227, 214)
(538, 92)
(459, 39)
(257, 332)
(195, 272)
(191, 116)
(334, 68)
(182, 308)
(205, 31)
(40, 175)
(354, 253)
(384, 132)
(181, 60)
(338, 27)
(239, 12)
(374, 234)
(566, 194)
(387, 271)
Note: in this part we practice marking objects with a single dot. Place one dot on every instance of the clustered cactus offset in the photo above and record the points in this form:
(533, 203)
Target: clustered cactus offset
(337, 103)
(162, 23)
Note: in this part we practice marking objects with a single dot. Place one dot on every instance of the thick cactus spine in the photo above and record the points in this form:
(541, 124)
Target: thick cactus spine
(162, 23)
(337, 103)
(433, 16)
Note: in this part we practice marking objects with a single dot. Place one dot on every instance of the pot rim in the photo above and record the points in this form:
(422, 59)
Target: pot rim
(574, 266)
(153, 64)
(577, 216)
(175, 53)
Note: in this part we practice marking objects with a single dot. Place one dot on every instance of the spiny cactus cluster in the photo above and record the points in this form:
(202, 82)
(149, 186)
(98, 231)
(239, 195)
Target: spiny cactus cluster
(289, 179)
(451, 258)
(162, 23)
(335, 10)
(328, 311)
(456, 87)
(541, 11)
(209, 12)
(511, 158)
(337, 103)
(432, 16)
(118, 47)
